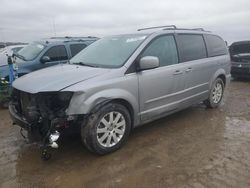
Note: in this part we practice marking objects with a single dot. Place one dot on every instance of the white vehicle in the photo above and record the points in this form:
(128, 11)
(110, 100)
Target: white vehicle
(8, 51)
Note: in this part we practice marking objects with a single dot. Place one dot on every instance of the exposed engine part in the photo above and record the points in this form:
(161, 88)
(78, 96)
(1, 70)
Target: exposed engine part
(54, 145)
(53, 138)
(44, 116)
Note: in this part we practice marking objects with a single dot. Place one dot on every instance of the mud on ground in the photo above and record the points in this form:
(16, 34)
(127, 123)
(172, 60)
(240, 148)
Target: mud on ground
(196, 147)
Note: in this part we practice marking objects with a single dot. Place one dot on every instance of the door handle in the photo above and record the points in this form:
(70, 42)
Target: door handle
(188, 69)
(177, 72)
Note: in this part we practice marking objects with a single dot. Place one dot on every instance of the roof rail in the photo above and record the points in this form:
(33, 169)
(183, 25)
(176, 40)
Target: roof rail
(68, 37)
(173, 27)
(193, 29)
(166, 26)
(198, 29)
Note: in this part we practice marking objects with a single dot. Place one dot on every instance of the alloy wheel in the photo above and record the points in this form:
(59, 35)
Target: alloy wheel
(111, 129)
(217, 93)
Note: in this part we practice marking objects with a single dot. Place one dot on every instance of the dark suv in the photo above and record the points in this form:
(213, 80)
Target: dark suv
(240, 56)
(47, 52)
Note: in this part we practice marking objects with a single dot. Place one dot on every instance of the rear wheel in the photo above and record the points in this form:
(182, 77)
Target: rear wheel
(107, 129)
(216, 94)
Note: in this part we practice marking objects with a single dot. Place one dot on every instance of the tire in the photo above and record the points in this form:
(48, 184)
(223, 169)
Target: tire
(216, 94)
(100, 134)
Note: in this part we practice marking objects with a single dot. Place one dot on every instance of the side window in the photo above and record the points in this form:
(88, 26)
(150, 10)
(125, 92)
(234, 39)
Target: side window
(76, 48)
(164, 48)
(57, 53)
(192, 47)
(215, 45)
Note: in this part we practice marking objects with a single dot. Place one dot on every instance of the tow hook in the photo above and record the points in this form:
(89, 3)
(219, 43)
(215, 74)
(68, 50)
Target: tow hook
(53, 137)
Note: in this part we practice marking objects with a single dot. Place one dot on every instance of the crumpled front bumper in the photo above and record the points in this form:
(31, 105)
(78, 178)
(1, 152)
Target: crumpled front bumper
(18, 119)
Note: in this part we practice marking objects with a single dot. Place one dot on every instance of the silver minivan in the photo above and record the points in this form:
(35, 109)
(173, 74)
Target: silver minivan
(121, 82)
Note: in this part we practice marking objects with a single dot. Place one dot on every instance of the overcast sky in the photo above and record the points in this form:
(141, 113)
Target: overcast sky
(27, 20)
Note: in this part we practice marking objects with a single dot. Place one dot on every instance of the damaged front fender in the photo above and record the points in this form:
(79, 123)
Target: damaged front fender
(81, 103)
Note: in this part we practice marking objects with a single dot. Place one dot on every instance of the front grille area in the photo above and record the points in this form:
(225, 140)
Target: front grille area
(25, 104)
(15, 100)
(47, 105)
(24, 101)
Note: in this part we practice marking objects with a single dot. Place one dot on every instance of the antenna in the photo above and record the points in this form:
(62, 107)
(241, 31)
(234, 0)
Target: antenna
(54, 26)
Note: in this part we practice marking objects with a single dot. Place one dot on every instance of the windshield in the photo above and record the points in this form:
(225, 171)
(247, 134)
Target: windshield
(30, 51)
(109, 52)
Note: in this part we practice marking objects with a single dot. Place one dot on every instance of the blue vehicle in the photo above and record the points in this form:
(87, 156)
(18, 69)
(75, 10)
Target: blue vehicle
(45, 53)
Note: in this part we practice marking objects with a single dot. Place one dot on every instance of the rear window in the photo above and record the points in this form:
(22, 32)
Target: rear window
(76, 48)
(215, 46)
(192, 47)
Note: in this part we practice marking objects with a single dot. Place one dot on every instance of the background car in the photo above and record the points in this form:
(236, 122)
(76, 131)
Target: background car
(240, 56)
(4, 84)
(8, 50)
(47, 52)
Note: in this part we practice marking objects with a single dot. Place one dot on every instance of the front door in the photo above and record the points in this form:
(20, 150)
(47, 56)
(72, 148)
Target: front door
(160, 88)
(56, 54)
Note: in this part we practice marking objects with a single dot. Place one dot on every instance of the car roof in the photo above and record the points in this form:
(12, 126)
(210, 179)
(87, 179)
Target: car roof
(67, 39)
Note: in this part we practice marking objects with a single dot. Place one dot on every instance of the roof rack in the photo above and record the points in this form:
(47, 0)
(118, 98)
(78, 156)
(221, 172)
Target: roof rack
(192, 29)
(166, 26)
(172, 27)
(198, 29)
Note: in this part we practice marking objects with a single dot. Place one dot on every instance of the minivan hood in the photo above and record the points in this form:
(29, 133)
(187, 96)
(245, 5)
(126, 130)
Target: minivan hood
(56, 78)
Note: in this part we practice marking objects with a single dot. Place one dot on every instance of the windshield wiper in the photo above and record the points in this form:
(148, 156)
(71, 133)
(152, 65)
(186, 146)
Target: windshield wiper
(84, 64)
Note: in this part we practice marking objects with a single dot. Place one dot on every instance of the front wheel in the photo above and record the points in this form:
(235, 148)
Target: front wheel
(216, 94)
(107, 129)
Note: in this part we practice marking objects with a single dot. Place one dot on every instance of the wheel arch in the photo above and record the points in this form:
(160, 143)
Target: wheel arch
(218, 74)
(223, 77)
(86, 105)
(128, 106)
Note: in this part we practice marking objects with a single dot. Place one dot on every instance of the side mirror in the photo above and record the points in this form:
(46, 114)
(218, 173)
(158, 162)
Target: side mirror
(45, 59)
(149, 62)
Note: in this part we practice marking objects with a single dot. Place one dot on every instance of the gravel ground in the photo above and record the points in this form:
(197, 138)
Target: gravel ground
(196, 147)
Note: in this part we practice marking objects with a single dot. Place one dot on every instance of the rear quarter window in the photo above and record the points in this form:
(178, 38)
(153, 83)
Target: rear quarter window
(76, 48)
(215, 46)
(191, 47)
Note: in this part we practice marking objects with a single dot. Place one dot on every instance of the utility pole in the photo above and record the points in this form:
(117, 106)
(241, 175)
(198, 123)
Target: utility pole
(54, 26)
(2, 36)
